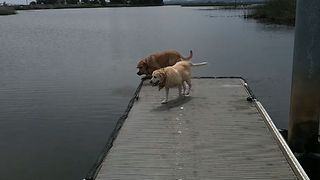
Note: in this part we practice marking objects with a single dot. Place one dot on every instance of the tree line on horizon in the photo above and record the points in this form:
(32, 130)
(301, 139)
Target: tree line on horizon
(136, 1)
(102, 2)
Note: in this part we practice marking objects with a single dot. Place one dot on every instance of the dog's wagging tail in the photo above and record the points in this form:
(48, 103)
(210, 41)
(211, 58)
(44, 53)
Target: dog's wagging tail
(188, 58)
(199, 64)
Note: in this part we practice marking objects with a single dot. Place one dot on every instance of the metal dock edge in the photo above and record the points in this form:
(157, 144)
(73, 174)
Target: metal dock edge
(152, 145)
(294, 163)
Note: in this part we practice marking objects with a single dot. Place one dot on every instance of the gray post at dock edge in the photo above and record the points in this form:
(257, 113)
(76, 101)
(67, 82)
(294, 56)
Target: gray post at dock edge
(305, 90)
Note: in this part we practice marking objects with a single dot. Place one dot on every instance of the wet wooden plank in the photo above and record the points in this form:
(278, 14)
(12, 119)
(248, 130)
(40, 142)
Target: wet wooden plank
(213, 134)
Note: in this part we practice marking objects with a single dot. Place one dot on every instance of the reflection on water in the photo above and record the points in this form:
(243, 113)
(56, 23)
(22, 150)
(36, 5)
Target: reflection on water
(67, 75)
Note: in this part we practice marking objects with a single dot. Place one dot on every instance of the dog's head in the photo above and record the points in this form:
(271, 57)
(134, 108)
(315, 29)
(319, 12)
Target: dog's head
(142, 67)
(158, 78)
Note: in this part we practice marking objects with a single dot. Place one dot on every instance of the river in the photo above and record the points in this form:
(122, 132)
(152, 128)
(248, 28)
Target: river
(67, 75)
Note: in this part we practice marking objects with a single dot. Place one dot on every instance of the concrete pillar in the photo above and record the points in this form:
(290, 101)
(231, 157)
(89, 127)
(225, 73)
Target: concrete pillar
(305, 91)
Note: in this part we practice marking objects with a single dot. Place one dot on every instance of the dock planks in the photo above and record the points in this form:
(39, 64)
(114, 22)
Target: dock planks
(213, 134)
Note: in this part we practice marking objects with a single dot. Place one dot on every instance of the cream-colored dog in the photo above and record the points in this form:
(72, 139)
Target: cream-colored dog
(159, 60)
(174, 76)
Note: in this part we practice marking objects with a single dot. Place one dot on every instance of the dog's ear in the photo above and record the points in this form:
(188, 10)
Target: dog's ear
(163, 78)
(140, 63)
(145, 63)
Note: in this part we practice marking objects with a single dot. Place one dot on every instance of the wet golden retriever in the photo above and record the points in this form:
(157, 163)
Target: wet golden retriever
(174, 76)
(159, 60)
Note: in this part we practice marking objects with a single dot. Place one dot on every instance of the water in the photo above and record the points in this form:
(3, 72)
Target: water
(67, 75)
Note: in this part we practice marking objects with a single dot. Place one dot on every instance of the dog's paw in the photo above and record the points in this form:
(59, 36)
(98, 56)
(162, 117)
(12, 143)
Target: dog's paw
(186, 93)
(164, 101)
(146, 78)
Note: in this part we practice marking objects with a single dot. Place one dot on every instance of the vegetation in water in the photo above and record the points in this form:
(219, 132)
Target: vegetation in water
(7, 11)
(276, 11)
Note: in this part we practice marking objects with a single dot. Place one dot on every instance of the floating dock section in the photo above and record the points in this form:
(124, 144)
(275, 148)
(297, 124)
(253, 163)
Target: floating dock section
(219, 132)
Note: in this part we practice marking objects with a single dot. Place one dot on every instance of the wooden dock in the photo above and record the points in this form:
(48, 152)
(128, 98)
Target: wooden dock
(216, 133)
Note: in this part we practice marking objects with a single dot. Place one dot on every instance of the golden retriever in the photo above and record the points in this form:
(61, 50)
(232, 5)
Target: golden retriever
(174, 76)
(159, 60)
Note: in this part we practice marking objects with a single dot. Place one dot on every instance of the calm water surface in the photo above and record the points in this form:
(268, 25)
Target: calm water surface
(67, 75)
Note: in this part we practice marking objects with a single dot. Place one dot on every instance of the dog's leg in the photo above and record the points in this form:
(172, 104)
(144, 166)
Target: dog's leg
(166, 98)
(180, 89)
(184, 88)
(189, 84)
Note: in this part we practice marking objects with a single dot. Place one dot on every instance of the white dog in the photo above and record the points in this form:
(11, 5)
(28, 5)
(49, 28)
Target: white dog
(174, 76)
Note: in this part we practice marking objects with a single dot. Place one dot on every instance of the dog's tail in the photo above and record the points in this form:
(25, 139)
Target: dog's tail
(188, 58)
(199, 64)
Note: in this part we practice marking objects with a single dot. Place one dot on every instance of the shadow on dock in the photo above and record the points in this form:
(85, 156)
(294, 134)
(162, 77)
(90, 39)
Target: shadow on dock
(172, 103)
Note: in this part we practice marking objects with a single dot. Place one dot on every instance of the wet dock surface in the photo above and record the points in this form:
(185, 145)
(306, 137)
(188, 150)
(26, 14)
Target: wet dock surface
(213, 134)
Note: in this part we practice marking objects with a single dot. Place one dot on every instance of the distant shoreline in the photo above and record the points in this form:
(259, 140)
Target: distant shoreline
(4, 11)
(273, 12)
(72, 6)
(75, 6)
(221, 4)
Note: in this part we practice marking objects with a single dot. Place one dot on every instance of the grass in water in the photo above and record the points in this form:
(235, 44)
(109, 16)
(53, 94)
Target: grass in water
(7, 11)
(276, 11)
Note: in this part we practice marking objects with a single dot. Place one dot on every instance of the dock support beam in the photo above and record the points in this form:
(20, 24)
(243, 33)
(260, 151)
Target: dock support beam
(305, 90)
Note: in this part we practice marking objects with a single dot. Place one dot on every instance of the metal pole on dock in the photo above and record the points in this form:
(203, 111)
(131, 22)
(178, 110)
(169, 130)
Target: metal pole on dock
(305, 91)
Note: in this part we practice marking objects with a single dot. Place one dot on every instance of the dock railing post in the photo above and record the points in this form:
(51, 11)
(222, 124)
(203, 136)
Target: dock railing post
(303, 129)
